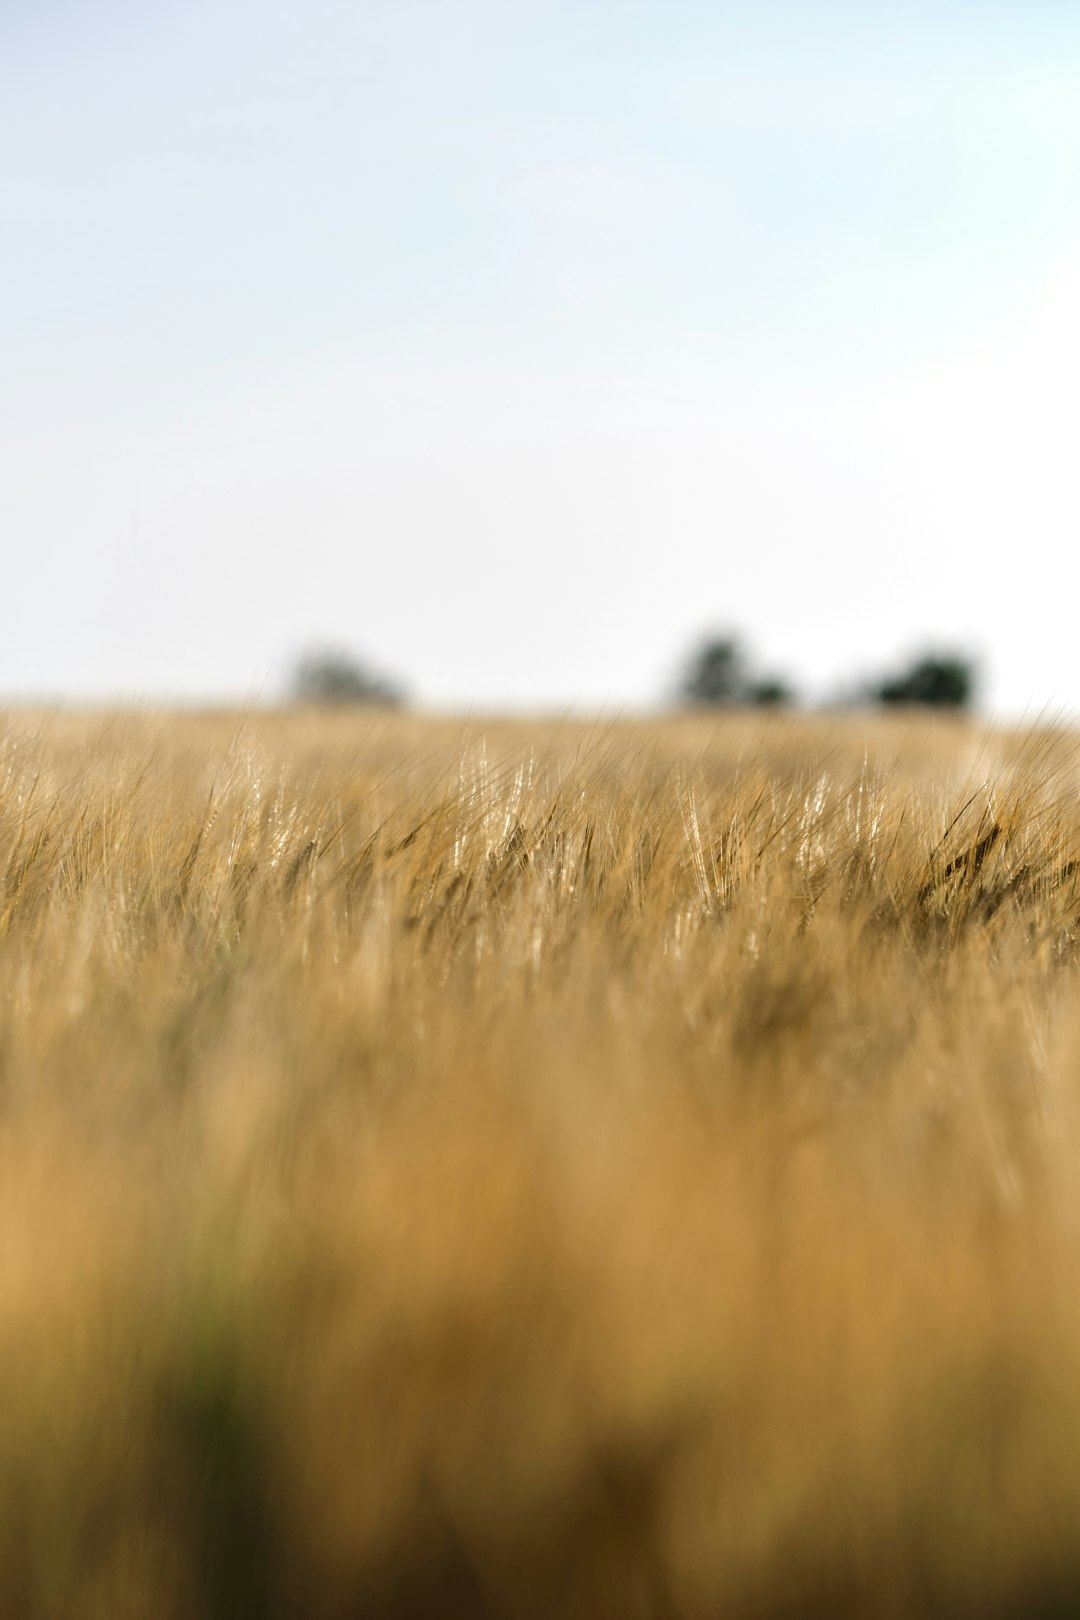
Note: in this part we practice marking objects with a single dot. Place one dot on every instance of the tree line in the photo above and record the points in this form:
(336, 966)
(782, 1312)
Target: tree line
(718, 674)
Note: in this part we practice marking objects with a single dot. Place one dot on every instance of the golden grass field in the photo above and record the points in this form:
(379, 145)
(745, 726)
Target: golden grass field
(527, 1170)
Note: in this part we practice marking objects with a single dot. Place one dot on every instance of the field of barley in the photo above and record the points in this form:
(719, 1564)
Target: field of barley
(538, 1170)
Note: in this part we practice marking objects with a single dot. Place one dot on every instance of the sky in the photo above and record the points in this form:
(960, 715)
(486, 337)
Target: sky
(516, 345)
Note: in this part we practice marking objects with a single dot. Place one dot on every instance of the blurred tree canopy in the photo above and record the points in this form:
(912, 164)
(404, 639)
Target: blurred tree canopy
(718, 675)
(332, 676)
(940, 682)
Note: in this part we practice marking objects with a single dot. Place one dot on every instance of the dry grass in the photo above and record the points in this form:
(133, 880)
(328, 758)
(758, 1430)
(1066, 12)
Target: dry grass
(548, 1173)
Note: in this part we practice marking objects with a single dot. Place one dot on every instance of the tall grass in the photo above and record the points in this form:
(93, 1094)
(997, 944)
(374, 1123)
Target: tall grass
(549, 1171)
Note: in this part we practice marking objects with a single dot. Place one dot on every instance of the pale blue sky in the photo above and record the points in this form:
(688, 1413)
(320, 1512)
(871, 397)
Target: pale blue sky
(515, 344)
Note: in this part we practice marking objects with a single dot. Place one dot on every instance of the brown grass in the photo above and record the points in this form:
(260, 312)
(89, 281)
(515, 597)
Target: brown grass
(550, 1171)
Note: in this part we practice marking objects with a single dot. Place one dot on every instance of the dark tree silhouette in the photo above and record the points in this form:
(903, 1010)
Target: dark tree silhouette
(717, 675)
(946, 682)
(768, 693)
(335, 677)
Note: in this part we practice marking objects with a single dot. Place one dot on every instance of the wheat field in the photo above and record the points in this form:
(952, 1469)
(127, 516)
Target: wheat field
(527, 1170)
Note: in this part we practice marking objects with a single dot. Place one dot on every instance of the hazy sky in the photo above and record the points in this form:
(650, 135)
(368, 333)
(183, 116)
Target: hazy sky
(515, 343)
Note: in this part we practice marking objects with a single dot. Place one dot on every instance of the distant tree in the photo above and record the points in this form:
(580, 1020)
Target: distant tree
(717, 675)
(946, 682)
(769, 693)
(336, 677)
